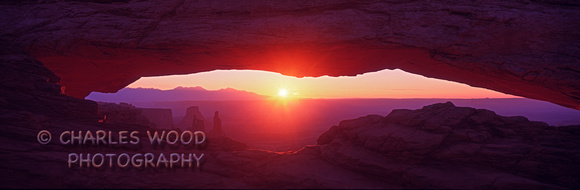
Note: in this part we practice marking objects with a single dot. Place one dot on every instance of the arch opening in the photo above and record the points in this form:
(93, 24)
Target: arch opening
(253, 111)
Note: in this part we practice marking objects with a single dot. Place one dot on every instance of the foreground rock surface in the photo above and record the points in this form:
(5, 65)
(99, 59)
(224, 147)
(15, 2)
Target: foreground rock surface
(443, 146)
(525, 48)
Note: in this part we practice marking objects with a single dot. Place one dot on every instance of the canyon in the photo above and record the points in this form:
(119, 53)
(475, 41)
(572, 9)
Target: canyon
(54, 53)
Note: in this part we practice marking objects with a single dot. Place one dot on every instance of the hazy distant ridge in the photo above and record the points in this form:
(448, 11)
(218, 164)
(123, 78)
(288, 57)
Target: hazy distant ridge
(178, 94)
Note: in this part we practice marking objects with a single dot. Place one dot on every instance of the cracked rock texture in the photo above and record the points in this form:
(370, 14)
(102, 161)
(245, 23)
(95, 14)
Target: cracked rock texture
(525, 48)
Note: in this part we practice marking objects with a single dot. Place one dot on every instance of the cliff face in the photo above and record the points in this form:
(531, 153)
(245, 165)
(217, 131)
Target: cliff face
(26, 86)
(523, 48)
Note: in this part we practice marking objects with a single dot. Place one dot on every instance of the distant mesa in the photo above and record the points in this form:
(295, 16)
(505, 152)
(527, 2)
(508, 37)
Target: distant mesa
(156, 118)
(193, 120)
(162, 118)
(124, 113)
(177, 94)
(217, 131)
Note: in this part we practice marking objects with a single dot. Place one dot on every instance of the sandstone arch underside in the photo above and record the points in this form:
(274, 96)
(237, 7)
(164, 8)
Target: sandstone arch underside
(525, 48)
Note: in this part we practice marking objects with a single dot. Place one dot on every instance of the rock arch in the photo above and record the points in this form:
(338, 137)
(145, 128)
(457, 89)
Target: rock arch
(523, 48)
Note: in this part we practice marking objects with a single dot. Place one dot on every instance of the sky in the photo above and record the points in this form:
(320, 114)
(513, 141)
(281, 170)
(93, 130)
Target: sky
(382, 84)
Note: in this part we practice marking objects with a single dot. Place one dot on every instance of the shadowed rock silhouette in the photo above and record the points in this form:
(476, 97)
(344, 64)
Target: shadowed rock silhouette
(217, 126)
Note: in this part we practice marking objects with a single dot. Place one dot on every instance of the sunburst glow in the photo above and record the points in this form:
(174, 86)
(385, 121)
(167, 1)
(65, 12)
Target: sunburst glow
(283, 93)
(369, 85)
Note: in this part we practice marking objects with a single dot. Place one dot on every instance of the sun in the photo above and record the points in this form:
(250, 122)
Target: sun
(283, 93)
